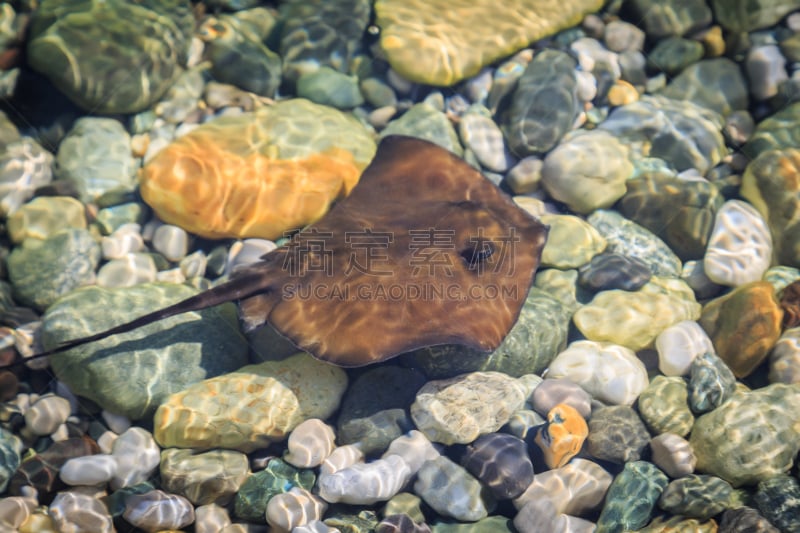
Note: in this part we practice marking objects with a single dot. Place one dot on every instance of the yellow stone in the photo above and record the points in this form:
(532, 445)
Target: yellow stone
(258, 174)
(441, 42)
(622, 93)
(562, 437)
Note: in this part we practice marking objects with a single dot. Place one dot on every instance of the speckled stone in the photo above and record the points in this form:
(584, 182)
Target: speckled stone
(24, 166)
(776, 132)
(673, 455)
(544, 105)
(490, 524)
(63, 46)
(751, 437)
(661, 19)
(778, 499)
(608, 271)
(664, 408)
(458, 410)
(628, 238)
(678, 345)
(711, 383)
(44, 216)
(373, 433)
(717, 84)
(571, 242)
(451, 491)
(250, 408)
(696, 496)
(95, 157)
(673, 54)
(265, 163)
(321, 33)
(587, 170)
(740, 247)
(365, 483)
(43, 270)
(745, 519)
(784, 359)
(662, 524)
(632, 497)
(426, 122)
(431, 44)
(744, 16)
(770, 183)
(500, 461)
(681, 133)
(562, 436)
(681, 212)
(660, 303)
(616, 434)
(538, 335)
(744, 325)
(203, 478)
(10, 449)
(156, 511)
(609, 372)
(351, 521)
(250, 501)
(160, 359)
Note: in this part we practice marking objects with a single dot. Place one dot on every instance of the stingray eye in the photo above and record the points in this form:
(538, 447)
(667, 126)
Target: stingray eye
(476, 254)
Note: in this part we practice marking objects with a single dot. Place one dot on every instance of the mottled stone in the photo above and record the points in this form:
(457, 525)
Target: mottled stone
(784, 359)
(771, 184)
(660, 303)
(571, 242)
(681, 212)
(500, 461)
(717, 84)
(451, 491)
(321, 33)
(40, 470)
(743, 325)
(373, 433)
(538, 335)
(780, 131)
(790, 303)
(41, 271)
(661, 19)
(279, 169)
(609, 372)
(744, 16)
(538, 516)
(745, 519)
(587, 170)
(616, 434)
(44, 216)
(632, 497)
(426, 122)
(365, 483)
(139, 61)
(562, 437)
(73, 511)
(673, 455)
(250, 501)
(310, 443)
(628, 238)
(711, 383)
(740, 247)
(778, 499)
(326, 86)
(252, 407)
(156, 511)
(458, 410)
(664, 408)
(673, 54)
(766, 70)
(482, 135)
(544, 105)
(664, 524)
(24, 166)
(203, 478)
(678, 345)
(160, 359)
(431, 43)
(696, 496)
(683, 134)
(751, 437)
(10, 456)
(608, 271)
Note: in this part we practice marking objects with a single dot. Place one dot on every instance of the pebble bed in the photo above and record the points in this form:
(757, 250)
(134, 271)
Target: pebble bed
(651, 382)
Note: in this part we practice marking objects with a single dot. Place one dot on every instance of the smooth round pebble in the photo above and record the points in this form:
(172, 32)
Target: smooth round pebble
(46, 414)
(137, 456)
(157, 510)
(88, 470)
(450, 490)
(552, 392)
(294, 508)
(576, 488)
(365, 483)
(171, 241)
(73, 511)
(211, 518)
(784, 359)
(341, 457)
(414, 447)
(127, 271)
(310, 443)
(673, 454)
(678, 345)
(500, 461)
(126, 239)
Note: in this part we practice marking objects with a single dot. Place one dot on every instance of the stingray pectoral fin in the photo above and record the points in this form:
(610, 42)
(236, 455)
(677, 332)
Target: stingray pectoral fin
(254, 311)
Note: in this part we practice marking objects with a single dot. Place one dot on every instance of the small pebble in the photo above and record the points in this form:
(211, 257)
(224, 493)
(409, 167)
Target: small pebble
(679, 345)
(310, 443)
(673, 454)
(562, 437)
(171, 241)
(137, 456)
(294, 508)
(552, 392)
(126, 239)
(89, 470)
(130, 270)
(156, 511)
(46, 414)
(73, 511)
(365, 483)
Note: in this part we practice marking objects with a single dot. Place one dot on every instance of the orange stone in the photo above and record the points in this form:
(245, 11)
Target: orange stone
(562, 437)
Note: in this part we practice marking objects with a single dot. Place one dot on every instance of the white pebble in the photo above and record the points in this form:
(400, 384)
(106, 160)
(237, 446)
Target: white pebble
(116, 423)
(740, 247)
(106, 441)
(60, 434)
(130, 270)
(125, 240)
(673, 454)
(46, 414)
(14, 511)
(173, 275)
(73, 511)
(482, 135)
(609, 372)
(137, 456)
(341, 457)
(88, 470)
(315, 526)
(679, 344)
(365, 483)
(211, 518)
(295, 508)
(156, 511)
(766, 69)
(171, 241)
(194, 265)
(414, 448)
(246, 252)
(310, 443)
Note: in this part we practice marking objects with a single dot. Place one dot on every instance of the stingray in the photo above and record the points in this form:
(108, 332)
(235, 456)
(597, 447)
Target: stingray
(424, 251)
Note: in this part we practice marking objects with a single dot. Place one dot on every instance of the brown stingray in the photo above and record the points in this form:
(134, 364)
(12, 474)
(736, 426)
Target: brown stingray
(424, 251)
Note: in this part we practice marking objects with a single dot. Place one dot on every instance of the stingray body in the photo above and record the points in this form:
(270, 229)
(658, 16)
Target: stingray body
(424, 251)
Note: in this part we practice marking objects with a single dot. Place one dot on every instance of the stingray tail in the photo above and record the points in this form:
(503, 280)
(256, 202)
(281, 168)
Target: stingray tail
(249, 284)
